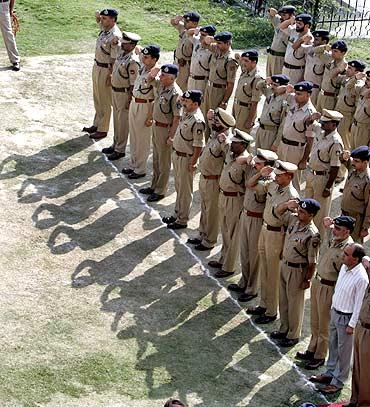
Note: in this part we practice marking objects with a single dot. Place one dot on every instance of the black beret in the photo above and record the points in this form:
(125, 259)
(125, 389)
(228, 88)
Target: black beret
(170, 68)
(209, 29)
(362, 152)
(250, 53)
(321, 33)
(287, 9)
(194, 95)
(340, 44)
(192, 16)
(304, 85)
(110, 12)
(359, 65)
(280, 79)
(345, 221)
(224, 36)
(310, 205)
(305, 18)
(152, 50)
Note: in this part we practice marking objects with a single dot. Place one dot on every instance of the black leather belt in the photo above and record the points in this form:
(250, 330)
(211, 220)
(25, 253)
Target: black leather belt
(348, 314)
(295, 265)
(101, 64)
(198, 77)
(276, 53)
(326, 282)
(292, 142)
(292, 66)
(267, 127)
(319, 172)
(124, 90)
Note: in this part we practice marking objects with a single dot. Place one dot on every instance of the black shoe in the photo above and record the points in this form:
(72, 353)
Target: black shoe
(16, 66)
(175, 226)
(127, 171)
(265, 319)
(307, 355)
(322, 379)
(314, 364)
(256, 310)
(115, 156)
(133, 175)
(90, 130)
(246, 297)
(215, 264)
(194, 240)
(155, 197)
(107, 150)
(98, 135)
(202, 248)
(288, 343)
(146, 191)
(278, 335)
(223, 274)
(169, 219)
(236, 288)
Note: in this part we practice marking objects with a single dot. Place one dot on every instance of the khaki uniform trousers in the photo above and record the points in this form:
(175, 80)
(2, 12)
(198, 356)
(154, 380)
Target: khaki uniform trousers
(184, 188)
(325, 102)
(315, 185)
(295, 75)
(120, 121)
(7, 32)
(183, 76)
(139, 136)
(230, 208)
(314, 96)
(344, 129)
(240, 114)
(361, 367)
(291, 300)
(209, 214)
(360, 135)
(270, 247)
(212, 99)
(102, 98)
(274, 65)
(250, 229)
(197, 84)
(321, 299)
(161, 160)
(292, 154)
(265, 138)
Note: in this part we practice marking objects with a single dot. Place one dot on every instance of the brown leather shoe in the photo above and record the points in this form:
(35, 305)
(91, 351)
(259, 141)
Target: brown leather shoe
(323, 379)
(330, 389)
(314, 364)
(98, 135)
(306, 355)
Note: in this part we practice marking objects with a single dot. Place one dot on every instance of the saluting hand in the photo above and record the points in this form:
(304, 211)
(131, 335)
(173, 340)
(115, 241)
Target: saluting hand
(327, 222)
(266, 171)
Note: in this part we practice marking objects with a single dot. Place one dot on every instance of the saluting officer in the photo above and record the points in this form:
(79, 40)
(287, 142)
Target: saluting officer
(271, 239)
(232, 189)
(166, 117)
(187, 146)
(250, 228)
(356, 193)
(141, 114)
(322, 289)
(273, 111)
(324, 163)
(247, 93)
(125, 71)
(276, 53)
(105, 54)
(210, 165)
(300, 254)
(184, 48)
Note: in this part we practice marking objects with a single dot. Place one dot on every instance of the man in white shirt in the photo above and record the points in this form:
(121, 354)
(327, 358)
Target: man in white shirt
(347, 300)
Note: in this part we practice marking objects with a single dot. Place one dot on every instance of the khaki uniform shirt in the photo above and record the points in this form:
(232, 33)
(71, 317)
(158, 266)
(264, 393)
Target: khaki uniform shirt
(362, 113)
(254, 201)
(331, 259)
(125, 70)
(356, 193)
(166, 104)
(184, 48)
(326, 151)
(365, 309)
(301, 244)
(190, 132)
(143, 89)
(349, 94)
(294, 127)
(105, 52)
(212, 158)
(314, 70)
(247, 90)
(274, 108)
(296, 57)
(200, 60)
(233, 175)
(280, 40)
(222, 68)
(328, 84)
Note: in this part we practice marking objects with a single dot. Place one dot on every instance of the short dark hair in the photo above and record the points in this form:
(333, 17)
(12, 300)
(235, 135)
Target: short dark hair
(173, 403)
(358, 252)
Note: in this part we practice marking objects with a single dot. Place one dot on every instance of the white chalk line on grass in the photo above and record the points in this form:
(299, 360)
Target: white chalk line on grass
(205, 270)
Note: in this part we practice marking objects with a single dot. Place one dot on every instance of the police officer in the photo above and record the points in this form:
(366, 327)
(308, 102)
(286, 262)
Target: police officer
(187, 146)
(356, 193)
(141, 114)
(276, 53)
(125, 71)
(271, 239)
(166, 117)
(250, 228)
(247, 93)
(210, 166)
(322, 289)
(335, 64)
(297, 136)
(299, 33)
(184, 48)
(6, 13)
(300, 254)
(324, 163)
(232, 189)
(105, 54)
(273, 111)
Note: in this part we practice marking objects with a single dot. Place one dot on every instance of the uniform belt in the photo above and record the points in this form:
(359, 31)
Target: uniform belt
(101, 64)
(211, 176)
(164, 125)
(180, 154)
(292, 142)
(315, 86)
(365, 325)
(197, 77)
(138, 100)
(267, 127)
(240, 103)
(273, 228)
(319, 172)
(231, 193)
(276, 53)
(125, 90)
(295, 265)
(254, 214)
(332, 94)
(216, 85)
(343, 313)
(326, 282)
(292, 66)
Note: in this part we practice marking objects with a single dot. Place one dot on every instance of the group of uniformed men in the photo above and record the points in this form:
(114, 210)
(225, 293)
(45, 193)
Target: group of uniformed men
(315, 117)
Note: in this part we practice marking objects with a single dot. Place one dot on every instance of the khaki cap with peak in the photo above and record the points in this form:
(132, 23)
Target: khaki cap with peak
(130, 38)
(265, 155)
(330, 115)
(281, 167)
(241, 136)
(224, 117)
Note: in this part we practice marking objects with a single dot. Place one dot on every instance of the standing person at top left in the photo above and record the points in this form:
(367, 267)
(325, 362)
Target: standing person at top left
(105, 55)
(184, 48)
(6, 12)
